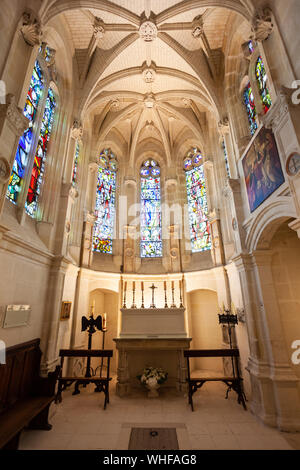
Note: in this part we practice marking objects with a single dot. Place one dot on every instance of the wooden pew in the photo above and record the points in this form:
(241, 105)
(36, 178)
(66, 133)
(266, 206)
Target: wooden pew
(102, 383)
(234, 381)
(25, 397)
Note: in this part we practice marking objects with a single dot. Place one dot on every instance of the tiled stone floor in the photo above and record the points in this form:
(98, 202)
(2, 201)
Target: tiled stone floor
(80, 423)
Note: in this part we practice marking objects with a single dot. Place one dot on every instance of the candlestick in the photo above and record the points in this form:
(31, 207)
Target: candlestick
(166, 299)
(133, 295)
(173, 300)
(104, 322)
(142, 306)
(125, 289)
(180, 290)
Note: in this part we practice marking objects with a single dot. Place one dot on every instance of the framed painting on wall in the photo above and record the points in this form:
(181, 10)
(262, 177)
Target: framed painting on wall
(262, 169)
(65, 311)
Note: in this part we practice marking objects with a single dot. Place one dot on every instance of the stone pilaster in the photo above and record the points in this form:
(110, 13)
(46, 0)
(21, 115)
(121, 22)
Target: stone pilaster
(217, 251)
(87, 241)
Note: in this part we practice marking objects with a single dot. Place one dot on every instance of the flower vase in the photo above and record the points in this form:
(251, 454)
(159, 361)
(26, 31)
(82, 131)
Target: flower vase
(152, 386)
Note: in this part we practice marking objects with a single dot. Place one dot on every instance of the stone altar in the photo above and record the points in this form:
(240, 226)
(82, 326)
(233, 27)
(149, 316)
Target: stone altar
(152, 337)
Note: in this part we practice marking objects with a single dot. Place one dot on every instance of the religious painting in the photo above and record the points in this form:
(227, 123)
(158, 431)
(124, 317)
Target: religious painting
(65, 313)
(262, 169)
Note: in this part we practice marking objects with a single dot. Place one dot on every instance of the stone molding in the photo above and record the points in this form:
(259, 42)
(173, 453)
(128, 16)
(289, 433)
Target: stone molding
(31, 29)
(77, 131)
(262, 25)
(14, 114)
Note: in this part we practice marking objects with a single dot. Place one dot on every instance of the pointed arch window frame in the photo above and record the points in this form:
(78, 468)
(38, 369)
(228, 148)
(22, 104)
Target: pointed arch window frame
(105, 205)
(196, 192)
(43, 59)
(151, 243)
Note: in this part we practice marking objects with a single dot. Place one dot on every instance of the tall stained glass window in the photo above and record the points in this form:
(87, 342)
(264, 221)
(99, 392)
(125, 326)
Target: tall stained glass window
(250, 108)
(38, 170)
(151, 228)
(105, 203)
(75, 165)
(224, 147)
(30, 111)
(197, 201)
(262, 79)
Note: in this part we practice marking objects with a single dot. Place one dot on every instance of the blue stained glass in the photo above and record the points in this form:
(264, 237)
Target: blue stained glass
(105, 210)
(151, 224)
(226, 158)
(30, 110)
(75, 165)
(198, 209)
(37, 174)
(250, 108)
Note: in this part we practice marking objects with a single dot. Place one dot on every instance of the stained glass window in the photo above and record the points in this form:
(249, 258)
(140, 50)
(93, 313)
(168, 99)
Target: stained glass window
(197, 201)
(251, 46)
(262, 79)
(30, 111)
(151, 228)
(105, 203)
(38, 170)
(226, 158)
(250, 107)
(75, 165)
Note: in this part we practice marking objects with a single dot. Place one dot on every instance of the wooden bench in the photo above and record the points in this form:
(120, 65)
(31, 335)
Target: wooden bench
(102, 383)
(25, 397)
(234, 381)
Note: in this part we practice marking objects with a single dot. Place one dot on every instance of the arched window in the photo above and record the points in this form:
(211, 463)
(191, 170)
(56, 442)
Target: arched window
(151, 228)
(32, 148)
(262, 79)
(197, 201)
(37, 174)
(30, 111)
(75, 164)
(250, 108)
(224, 147)
(105, 210)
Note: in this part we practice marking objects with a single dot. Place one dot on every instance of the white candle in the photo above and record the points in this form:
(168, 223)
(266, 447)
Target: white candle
(104, 326)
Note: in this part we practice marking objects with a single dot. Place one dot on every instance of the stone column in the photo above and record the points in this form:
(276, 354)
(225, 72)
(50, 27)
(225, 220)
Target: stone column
(217, 250)
(67, 198)
(87, 241)
(12, 126)
(279, 370)
(51, 320)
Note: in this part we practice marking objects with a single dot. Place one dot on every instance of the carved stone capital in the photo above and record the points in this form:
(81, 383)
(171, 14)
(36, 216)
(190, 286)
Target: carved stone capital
(14, 115)
(262, 25)
(93, 167)
(214, 215)
(31, 29)
(99, 29)
(90, 218)
(77, 130)
(223, 127)
(197, 27)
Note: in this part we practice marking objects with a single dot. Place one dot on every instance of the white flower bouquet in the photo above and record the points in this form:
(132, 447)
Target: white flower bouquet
(150, 373)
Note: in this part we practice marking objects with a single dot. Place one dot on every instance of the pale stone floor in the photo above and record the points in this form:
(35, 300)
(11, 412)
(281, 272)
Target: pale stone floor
(80, 423)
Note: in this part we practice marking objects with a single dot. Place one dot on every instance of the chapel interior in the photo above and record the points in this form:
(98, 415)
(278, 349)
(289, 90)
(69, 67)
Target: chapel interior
(150, 176)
